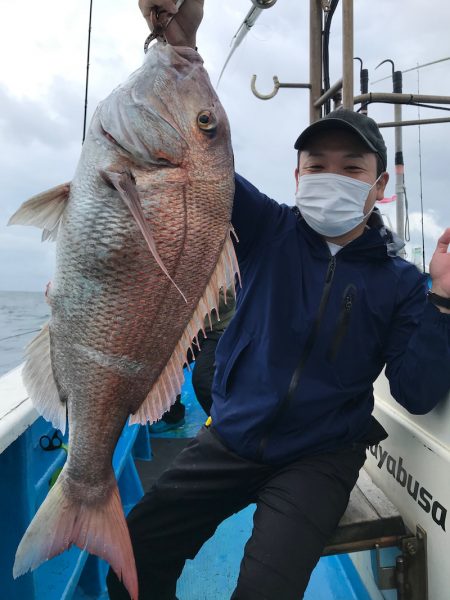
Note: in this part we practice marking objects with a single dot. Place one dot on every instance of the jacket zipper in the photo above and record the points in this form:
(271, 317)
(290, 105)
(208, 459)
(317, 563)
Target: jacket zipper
(342, 322)
(309, 344)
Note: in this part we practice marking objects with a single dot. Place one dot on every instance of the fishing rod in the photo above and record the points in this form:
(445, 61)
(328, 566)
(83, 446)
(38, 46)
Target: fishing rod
(420, 180)
(402, 212)
(87, 72)
(244, 28)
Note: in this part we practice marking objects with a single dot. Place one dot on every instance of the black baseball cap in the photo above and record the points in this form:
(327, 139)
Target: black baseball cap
(342, 118)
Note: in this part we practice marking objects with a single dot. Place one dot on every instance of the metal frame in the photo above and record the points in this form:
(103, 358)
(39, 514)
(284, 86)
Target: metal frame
(409, 574)
(317, 98)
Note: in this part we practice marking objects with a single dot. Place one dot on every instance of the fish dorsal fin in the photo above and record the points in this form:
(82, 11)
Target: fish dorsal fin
(39, 382)
(44, 211)
(168, 385)
(125, 185)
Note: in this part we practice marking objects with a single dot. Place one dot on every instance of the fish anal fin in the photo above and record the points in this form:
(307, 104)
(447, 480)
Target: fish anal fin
(100, 529)
(44, 210)
(168, 385)
(40, 384)
(126, 186)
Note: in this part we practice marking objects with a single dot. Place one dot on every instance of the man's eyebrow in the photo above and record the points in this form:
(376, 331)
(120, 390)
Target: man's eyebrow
(354, 155)
(314, 153)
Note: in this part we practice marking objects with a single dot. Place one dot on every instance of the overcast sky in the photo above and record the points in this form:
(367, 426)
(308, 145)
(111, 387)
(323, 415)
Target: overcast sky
(43, 48)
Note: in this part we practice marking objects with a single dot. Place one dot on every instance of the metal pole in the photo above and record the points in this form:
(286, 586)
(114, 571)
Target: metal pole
(347, 54)
(414, 122)
(329, 93)
(390, 98)
(315, 58)
(87, 73)
(399, 163)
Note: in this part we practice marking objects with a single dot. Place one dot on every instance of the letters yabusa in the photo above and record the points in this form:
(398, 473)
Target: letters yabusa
(419, 493)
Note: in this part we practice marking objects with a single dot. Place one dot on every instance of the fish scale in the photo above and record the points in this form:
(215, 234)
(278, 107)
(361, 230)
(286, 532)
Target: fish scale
(143, 247)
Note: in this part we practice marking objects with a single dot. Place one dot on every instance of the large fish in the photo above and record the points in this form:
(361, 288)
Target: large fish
(143, 247)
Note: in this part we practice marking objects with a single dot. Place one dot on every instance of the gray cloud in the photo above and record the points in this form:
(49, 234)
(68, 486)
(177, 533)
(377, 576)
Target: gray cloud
(52, 120)
(41, 134)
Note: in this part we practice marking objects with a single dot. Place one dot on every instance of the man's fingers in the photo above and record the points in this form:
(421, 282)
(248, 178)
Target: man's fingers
(147, 6)
(443, 242)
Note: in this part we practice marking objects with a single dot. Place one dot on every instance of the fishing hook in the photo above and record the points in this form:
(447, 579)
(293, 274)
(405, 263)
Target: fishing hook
(159, 27)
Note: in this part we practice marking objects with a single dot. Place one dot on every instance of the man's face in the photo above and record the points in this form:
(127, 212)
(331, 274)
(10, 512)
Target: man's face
(342, 152)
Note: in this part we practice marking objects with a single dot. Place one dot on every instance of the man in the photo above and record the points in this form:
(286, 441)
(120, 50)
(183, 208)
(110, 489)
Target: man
(325, 304)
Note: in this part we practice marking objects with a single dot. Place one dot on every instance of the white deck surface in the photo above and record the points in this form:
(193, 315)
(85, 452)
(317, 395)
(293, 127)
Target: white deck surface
(16, 411)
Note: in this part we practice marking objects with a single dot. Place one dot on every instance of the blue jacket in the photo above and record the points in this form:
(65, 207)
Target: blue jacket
(334, 322)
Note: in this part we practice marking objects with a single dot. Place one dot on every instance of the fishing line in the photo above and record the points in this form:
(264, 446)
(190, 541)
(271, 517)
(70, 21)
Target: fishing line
(427, 105)
(407, 232)
(10, 337)
(420, 176)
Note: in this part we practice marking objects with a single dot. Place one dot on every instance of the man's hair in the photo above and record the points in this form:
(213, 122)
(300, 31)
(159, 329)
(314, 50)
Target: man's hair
(380, 166)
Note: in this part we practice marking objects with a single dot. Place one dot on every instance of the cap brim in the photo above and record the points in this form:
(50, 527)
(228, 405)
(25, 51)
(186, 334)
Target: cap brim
(330, 123)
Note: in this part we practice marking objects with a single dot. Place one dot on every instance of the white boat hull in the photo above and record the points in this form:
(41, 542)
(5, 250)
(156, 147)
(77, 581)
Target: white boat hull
(412, 467)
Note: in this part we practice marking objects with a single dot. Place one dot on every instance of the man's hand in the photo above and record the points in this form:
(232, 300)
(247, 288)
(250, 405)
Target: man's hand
(440, 267)
(182, 30)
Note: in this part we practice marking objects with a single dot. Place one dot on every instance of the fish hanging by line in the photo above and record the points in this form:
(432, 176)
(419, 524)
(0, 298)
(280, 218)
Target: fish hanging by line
(143, 248)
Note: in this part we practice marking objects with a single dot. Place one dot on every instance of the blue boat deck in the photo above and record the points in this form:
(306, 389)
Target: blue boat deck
(213, 573)
(74, 575)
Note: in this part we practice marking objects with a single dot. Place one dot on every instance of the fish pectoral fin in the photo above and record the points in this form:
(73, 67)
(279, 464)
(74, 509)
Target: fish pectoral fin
(44, 211)
(39, 382)
(124, 183)
(168, 385)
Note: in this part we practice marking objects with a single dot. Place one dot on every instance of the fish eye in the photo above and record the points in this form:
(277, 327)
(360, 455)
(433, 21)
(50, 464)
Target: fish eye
(206, 121)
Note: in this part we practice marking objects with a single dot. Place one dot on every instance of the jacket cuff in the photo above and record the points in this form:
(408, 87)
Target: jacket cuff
(434, 316)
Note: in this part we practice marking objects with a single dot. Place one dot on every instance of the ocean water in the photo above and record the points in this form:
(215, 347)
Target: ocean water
(22, 314)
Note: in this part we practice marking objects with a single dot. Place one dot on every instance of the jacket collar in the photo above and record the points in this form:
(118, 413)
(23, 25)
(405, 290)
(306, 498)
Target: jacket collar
(377, 242)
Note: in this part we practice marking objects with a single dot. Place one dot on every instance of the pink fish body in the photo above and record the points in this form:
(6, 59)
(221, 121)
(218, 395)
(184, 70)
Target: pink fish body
(143, 248)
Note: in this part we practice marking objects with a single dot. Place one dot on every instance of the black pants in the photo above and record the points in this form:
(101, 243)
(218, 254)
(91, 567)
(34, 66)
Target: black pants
(298, 507)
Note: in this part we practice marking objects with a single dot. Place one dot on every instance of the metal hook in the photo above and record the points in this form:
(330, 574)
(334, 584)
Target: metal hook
(385, 61)
(276, 86)
(361, 62)
(159, 27)
(265, 96)
(264, 3)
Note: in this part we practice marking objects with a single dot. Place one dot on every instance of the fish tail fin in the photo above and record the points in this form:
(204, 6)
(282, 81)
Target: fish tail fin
(61, 522)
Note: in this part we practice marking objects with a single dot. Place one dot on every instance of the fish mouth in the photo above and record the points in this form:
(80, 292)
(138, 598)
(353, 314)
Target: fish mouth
(186, 52)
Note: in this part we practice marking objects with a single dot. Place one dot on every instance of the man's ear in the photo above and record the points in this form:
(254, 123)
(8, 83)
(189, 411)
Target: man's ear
(381, 185)
(296, 179)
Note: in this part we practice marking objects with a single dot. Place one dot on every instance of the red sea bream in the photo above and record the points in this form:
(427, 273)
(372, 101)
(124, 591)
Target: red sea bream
(143, 247)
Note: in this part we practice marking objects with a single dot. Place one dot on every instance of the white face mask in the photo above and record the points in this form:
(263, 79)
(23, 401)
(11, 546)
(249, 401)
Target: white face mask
(332, 204)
